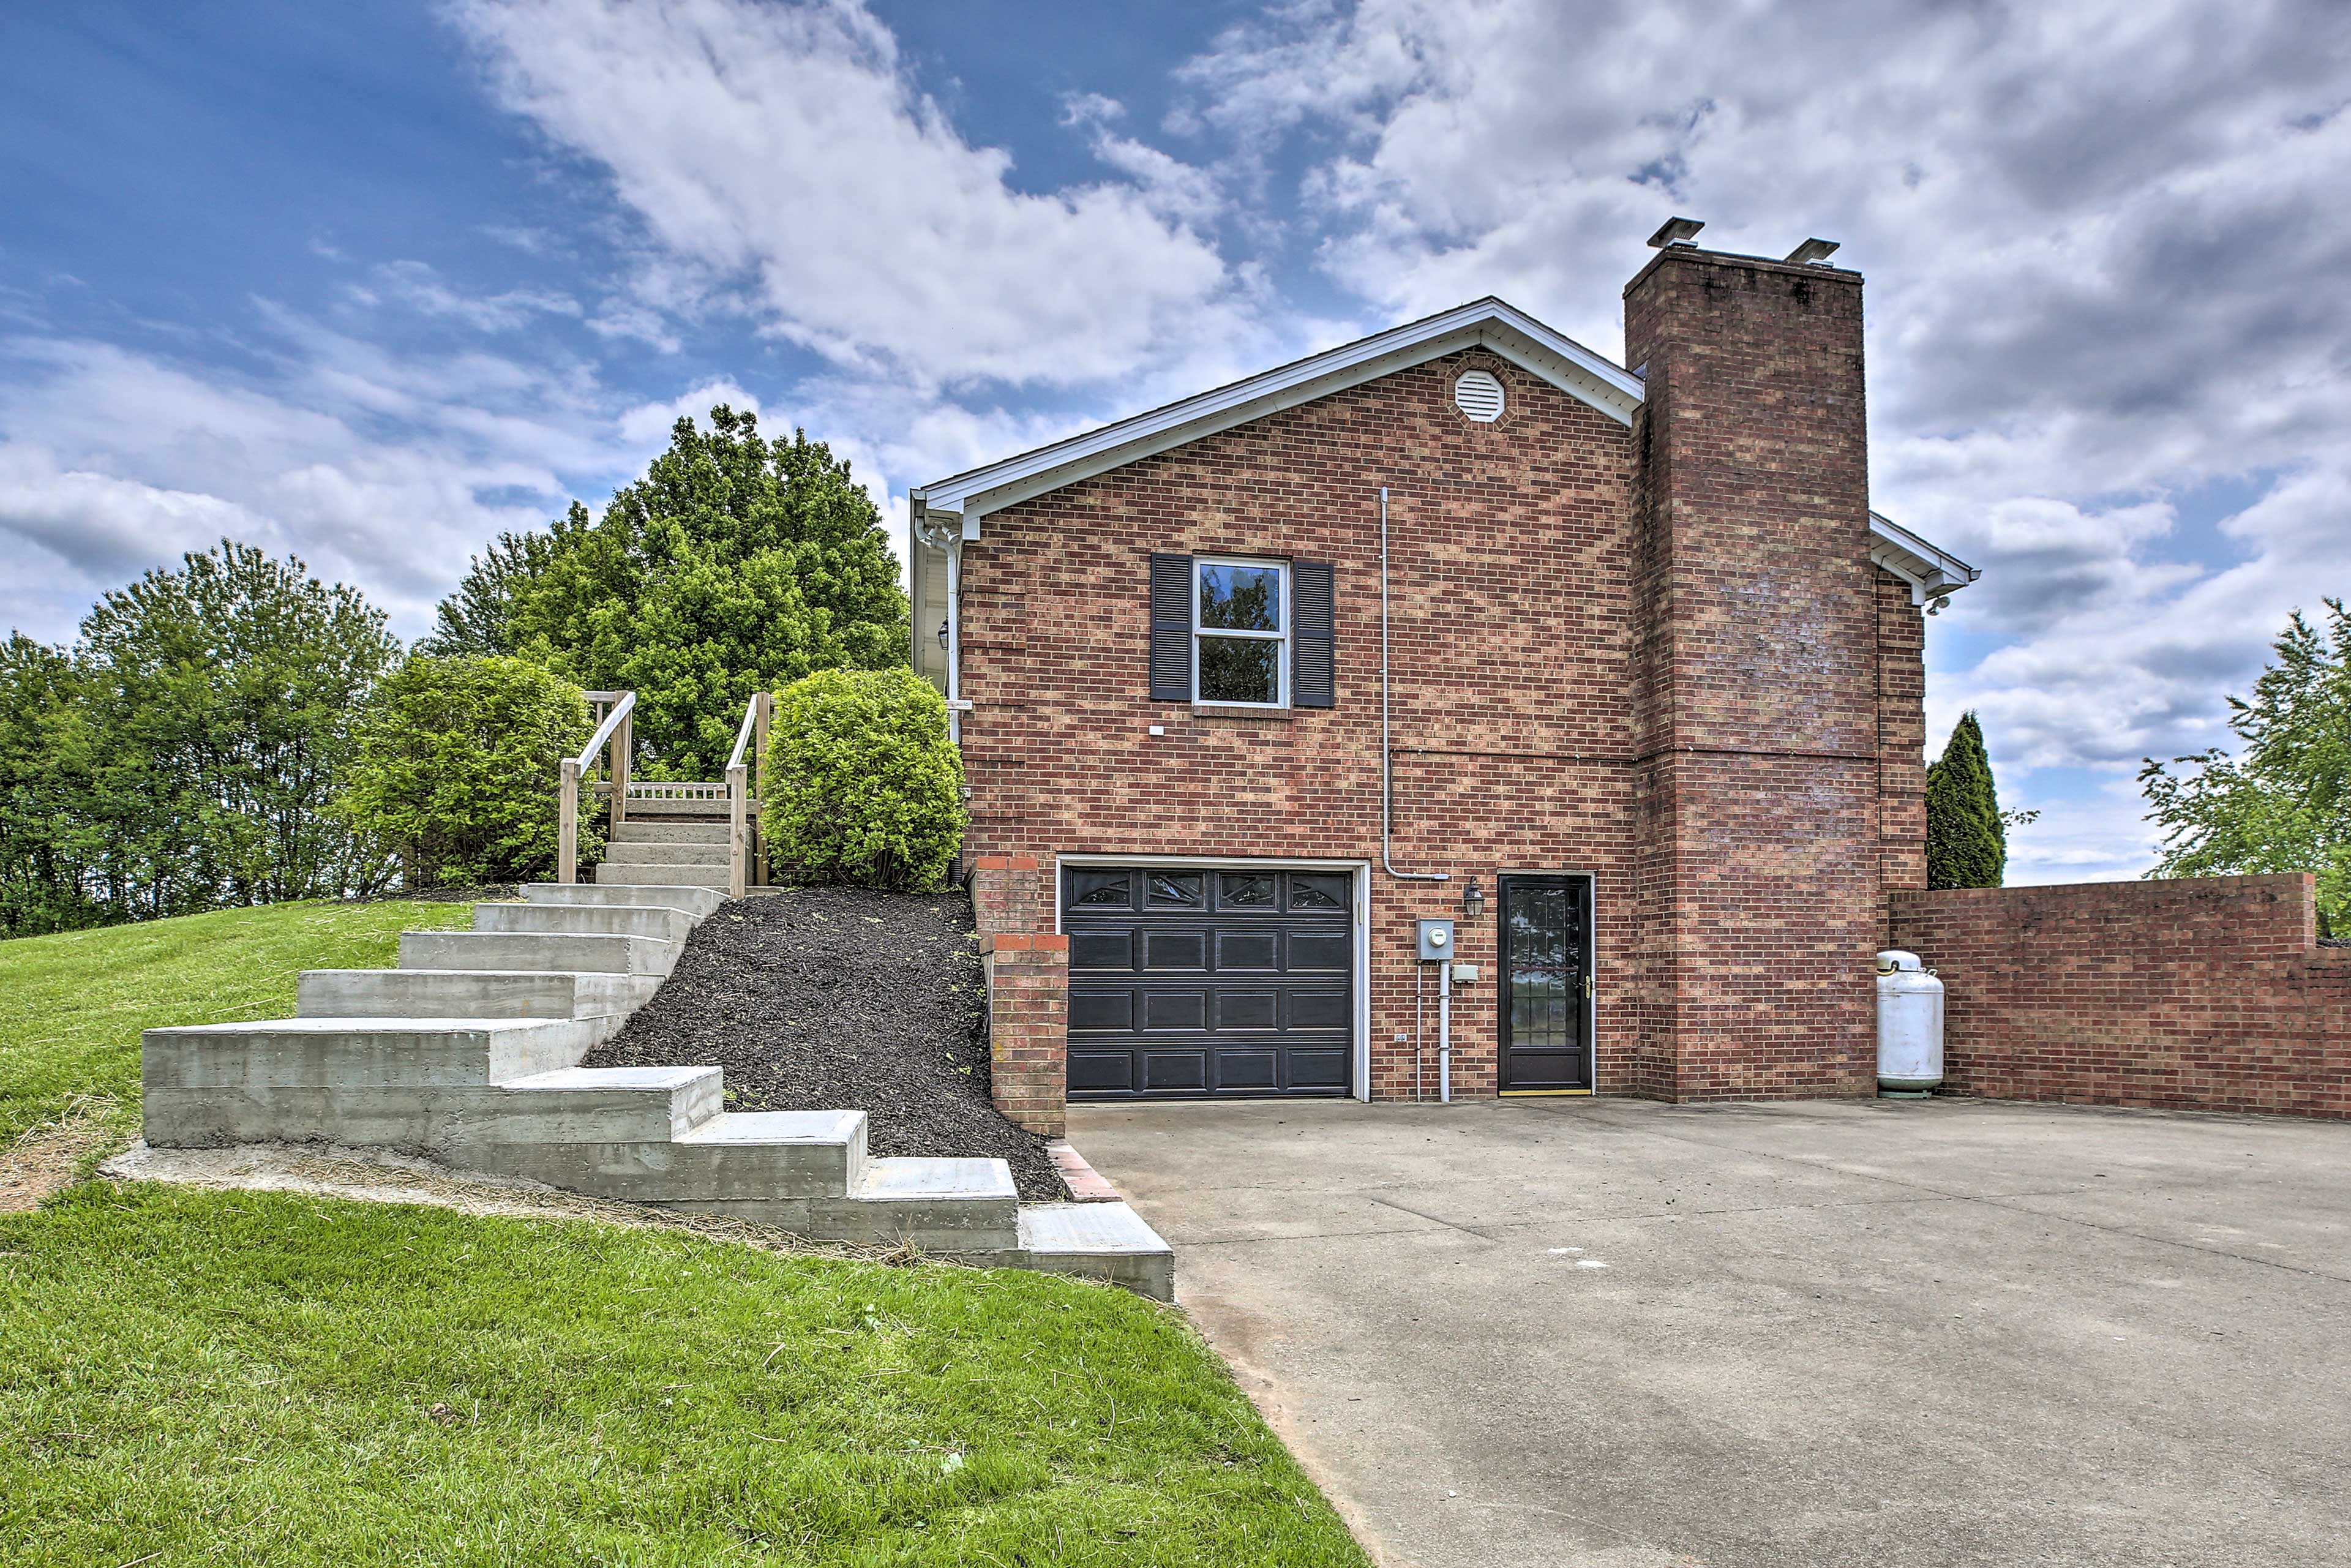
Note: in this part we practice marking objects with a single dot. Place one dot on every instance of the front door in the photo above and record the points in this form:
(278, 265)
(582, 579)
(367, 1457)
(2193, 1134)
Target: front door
(1546, 989)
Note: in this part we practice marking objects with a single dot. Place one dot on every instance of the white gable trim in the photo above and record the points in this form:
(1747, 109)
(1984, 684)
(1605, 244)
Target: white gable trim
(1491, 323)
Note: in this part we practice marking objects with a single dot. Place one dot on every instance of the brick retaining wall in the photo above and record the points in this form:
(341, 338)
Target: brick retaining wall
(2203, 994)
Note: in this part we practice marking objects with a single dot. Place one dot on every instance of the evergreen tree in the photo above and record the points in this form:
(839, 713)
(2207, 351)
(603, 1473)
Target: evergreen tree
(2283, 802)
(1966, 841)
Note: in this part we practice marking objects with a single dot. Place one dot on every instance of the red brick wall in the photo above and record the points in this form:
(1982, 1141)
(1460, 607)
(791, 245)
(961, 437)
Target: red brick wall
(2204, 994)
(1677, 692)
(1761, 733)
(1028, 1027)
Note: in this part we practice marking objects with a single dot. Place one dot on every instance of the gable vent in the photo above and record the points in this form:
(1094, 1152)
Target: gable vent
(1479, 396)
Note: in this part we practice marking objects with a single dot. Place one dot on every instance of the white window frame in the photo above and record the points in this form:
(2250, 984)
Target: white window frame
(1281, 637)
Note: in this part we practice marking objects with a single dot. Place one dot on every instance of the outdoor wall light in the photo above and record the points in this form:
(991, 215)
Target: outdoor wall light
(942, 631)
(1473, 900)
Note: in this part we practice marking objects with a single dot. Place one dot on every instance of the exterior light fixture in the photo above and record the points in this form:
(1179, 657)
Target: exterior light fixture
(943, 632)
(1473, 900)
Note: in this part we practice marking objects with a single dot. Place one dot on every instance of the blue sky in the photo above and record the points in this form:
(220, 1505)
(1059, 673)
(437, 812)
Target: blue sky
(370, 281)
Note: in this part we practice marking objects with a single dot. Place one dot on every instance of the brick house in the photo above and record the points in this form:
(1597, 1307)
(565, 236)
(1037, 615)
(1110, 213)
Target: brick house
(1613, 669)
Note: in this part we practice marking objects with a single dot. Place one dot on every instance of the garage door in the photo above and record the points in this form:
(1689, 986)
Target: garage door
(1192, 982)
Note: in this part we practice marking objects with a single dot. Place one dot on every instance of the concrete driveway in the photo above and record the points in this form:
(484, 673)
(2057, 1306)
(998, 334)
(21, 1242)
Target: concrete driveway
(1618, 1334)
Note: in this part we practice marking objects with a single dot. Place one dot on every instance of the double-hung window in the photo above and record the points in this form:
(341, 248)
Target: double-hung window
(1240, 631)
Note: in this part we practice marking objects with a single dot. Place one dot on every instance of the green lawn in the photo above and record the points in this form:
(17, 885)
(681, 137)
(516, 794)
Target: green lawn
(240, 1377)
(71, 1005)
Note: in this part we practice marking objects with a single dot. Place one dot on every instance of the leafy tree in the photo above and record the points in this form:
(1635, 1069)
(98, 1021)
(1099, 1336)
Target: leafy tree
(42, 848)
(217, 715)
(1967, 838)
(2283, 802)
(477, 620)
(736, 564)
(457, 773)
(861, 784)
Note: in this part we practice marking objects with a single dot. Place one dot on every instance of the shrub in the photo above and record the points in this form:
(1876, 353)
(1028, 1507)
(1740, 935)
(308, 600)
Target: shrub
(861, 784)
(458, 776)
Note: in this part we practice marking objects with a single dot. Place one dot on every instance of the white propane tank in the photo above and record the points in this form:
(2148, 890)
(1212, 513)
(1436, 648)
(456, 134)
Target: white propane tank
(1909, 1027)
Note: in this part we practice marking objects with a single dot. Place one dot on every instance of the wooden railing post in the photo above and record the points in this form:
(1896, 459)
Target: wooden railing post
(567, 853)
(765, 702)
(618, 770)
(736, 848)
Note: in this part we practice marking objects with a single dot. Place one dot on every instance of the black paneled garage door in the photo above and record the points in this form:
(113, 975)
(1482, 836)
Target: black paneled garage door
(1191, 982)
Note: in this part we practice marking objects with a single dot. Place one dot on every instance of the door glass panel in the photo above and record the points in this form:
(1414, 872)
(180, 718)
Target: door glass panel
(1252, 892)
(1239, 598)
(1542, 968)
(1179, 887)
(1102, 887)
(1318, 892)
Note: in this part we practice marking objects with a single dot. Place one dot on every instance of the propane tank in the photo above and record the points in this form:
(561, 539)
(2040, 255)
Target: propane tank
(1909, 1027)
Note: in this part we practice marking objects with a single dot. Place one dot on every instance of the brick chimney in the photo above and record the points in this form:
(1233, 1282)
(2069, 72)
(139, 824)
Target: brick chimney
(1759, 896)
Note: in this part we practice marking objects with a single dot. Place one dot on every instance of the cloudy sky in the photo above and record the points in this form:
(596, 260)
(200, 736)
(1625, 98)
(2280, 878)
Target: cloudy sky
(370, 281)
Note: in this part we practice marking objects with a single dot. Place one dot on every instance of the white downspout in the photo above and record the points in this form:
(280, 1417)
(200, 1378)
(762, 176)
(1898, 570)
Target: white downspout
(1388, 765)
(954, 637)
(1445, 1031)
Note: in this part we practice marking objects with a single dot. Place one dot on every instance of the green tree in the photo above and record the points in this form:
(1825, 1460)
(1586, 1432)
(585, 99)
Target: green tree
(861, 784)
(43, 844)
(1967, 838)
(2283, 802)
(217, 714)
(737, 564)
(457, 772)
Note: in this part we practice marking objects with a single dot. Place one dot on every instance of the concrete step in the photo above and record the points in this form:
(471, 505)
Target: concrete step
(468, 993)
(697, 901)
(1107, 1241)
(373, 1080)
(575, 1106)
(665, 854)
(671, 833)
(604, 919)
(967, 1207)
(712, 877)
(733, 1162)
(590, 954)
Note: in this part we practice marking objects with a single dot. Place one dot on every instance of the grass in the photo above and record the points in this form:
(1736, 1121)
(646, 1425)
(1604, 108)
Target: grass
(244, 1379)
(71, 1005)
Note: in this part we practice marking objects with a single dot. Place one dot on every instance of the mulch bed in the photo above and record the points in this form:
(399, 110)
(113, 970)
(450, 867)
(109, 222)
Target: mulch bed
(819, 999)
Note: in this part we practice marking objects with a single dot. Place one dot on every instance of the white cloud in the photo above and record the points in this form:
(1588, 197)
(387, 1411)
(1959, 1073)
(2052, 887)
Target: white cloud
(785, 144)
(2106, 259)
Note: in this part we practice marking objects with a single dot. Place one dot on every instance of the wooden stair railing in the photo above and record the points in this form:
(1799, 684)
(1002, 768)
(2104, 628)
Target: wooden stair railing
(739, 791)
(615, 732)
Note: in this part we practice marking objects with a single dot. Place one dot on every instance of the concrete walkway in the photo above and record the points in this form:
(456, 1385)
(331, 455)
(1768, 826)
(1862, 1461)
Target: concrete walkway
(1630, 1335)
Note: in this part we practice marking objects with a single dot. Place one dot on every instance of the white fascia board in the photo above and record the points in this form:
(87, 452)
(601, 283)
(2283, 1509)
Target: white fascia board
(1931, 570)
(1510, 332)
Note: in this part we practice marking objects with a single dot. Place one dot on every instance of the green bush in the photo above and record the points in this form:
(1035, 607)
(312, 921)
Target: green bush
(458, 772)
(861, 784)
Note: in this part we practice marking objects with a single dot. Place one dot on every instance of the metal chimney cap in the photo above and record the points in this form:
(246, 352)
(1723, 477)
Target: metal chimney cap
(1813, 252)
(1675, 231)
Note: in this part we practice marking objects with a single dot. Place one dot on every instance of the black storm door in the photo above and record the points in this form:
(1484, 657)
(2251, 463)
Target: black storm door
(1546, 982)
(1189, 981)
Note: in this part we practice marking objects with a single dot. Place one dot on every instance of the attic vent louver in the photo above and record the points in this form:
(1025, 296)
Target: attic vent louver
(1478, 396)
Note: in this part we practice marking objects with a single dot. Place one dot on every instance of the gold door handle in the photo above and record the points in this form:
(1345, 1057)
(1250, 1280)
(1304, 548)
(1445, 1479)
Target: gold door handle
(1587, 987)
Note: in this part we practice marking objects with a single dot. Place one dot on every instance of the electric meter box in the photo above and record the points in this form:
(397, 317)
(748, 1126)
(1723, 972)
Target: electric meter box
(1436, 939)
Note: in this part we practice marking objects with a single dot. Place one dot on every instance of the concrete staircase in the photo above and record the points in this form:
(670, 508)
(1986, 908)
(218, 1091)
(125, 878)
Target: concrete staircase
(469, 1053)
(667, 855)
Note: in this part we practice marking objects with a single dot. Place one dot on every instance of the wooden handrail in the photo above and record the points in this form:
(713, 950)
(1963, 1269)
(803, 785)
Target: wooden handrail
(738, 791)
(617, 731)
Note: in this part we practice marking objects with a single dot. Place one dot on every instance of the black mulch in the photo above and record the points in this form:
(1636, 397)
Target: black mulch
(820, 999)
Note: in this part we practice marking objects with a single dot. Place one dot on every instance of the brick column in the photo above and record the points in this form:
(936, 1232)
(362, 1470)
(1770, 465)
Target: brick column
(1008, 894)
(1028, 1027)
(1758, 750)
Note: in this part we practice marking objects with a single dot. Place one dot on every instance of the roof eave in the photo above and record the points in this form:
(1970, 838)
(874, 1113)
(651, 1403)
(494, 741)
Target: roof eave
(1932, 572)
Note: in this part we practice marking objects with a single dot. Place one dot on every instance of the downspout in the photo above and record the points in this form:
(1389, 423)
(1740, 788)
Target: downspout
(954, 636)
(1387, 762)
(1387, 824)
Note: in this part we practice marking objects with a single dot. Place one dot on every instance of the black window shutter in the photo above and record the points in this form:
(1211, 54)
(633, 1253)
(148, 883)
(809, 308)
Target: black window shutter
(1171, 628)
(1314, 672)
